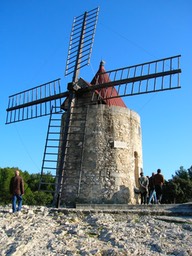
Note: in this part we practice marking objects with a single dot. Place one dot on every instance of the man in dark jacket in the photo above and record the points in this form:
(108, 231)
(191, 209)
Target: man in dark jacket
(159, 181)
(152, 192)
(17, 191)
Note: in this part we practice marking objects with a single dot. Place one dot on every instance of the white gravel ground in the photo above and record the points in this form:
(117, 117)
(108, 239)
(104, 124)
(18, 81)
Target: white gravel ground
(39, 231)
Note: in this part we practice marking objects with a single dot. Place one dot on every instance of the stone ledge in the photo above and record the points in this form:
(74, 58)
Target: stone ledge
(162, 209)
(121, 209)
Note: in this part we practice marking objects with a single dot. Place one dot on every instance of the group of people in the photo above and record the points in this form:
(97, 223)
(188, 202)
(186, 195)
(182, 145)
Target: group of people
(151, 188)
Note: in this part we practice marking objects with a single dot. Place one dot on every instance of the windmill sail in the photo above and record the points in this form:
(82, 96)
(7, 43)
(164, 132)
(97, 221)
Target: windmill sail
(154, 76)
(35, 102)
(81, 42)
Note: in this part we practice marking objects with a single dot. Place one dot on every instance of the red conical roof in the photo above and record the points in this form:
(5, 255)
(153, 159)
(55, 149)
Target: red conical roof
(100, 78)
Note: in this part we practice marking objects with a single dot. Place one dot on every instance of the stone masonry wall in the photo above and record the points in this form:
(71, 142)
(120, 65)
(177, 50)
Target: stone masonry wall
(112, 136)
(111, 157)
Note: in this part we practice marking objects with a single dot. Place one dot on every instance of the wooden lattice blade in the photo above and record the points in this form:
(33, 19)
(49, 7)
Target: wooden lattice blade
(81, 42)
(35, 102)
(148, 77)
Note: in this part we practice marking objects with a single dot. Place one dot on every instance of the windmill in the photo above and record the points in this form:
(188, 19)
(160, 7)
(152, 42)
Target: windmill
(64, 154)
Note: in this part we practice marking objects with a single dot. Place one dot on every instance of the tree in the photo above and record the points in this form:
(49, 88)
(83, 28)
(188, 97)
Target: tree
(5, 176)
(190, 172)
(169, 192)
(181, 173)
(179, 188)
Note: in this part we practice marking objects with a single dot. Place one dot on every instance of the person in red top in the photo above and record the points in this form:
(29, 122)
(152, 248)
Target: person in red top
(17, 191)
(159, 181)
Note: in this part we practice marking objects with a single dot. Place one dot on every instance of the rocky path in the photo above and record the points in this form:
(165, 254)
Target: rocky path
(42, 231)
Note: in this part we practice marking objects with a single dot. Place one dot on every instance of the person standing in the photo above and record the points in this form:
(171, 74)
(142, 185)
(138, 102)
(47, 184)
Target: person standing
(152, 192)
(17, 191)
(159, 181)
(143, 183)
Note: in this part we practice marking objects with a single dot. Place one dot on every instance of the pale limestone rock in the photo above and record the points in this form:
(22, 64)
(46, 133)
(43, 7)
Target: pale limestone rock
(75, 232)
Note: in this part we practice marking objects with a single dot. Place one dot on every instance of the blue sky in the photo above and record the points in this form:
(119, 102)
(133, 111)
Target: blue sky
(33, 49)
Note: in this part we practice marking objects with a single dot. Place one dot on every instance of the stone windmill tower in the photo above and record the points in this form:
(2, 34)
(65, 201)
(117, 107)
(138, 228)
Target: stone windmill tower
(94, 144)
(104, 149)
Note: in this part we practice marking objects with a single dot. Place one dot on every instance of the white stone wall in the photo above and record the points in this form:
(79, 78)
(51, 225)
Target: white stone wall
(108, 173)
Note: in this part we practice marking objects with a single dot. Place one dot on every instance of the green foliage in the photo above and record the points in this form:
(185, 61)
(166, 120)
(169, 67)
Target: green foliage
(38, 198)
(169, 192)
(182, 174)
(5, 176)
(179, 188)
(190, 173)
(31, 184)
